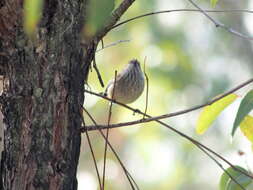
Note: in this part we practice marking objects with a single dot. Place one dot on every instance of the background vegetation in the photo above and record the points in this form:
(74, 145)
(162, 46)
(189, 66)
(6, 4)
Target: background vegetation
(189, 61)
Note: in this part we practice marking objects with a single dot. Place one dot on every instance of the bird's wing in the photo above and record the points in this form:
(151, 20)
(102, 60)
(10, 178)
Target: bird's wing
(111, 83)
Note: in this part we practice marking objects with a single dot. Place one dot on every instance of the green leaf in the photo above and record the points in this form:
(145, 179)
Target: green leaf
(245, 107)
(246, 127)
(226, 183)
(213, 2)
(32, 15)
(99, 11)
(210, 113)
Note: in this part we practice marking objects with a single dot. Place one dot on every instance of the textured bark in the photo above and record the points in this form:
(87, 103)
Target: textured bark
(41, 106)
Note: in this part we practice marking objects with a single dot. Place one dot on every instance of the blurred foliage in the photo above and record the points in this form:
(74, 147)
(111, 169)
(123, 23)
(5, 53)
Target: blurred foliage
(188, 62)
(214, 2)
(32, 15)
(94, 20)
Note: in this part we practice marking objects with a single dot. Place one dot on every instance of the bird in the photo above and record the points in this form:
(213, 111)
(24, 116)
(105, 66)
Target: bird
(128, 85)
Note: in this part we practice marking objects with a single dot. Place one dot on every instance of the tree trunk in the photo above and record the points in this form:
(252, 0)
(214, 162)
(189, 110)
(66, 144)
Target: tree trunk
(42, 103)
(41, 106)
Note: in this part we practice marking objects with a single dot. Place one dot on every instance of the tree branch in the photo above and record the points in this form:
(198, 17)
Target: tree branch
(180, 10)
(128, 175)
(145, 120)
(112, 44)
(117, 13)
(201, 146)
(107, 130)
(221, 25)
(92, 154)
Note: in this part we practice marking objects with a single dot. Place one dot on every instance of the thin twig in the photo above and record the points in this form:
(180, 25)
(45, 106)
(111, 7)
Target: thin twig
(145, 120)
(198, 144)
(182, 134)
(147, 81)
(221, 25)
(221, 166)
(97, 71)
(180, 10)
(93, 155)
(112, 44)
(128, 175)
(102, 43)
(202, 147)
(107, 130)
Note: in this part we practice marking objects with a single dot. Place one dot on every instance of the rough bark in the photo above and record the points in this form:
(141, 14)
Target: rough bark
(41, 107)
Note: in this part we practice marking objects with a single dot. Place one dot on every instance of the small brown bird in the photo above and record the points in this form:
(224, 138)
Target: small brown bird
(129, 84)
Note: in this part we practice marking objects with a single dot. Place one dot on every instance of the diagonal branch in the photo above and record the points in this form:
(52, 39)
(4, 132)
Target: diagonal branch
(145, 120)
(92, 154)
(221, 25)
(117, 13)
(199, 145)
(112, 44)
(180, 10)
(107, 130)
(221, 166)
(128, 175)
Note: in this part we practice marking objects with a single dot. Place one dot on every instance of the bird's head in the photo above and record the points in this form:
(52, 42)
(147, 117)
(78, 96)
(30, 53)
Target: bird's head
(135, 63)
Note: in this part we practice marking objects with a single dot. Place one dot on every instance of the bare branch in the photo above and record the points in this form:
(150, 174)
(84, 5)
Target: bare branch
(112, 44)
(221, 25)
(201, 146)
(181, 10)
(145, 120)
(97, 71)
(107, 130)
(221, 166)
(128, 175)
(93, 155)
(147, 88)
